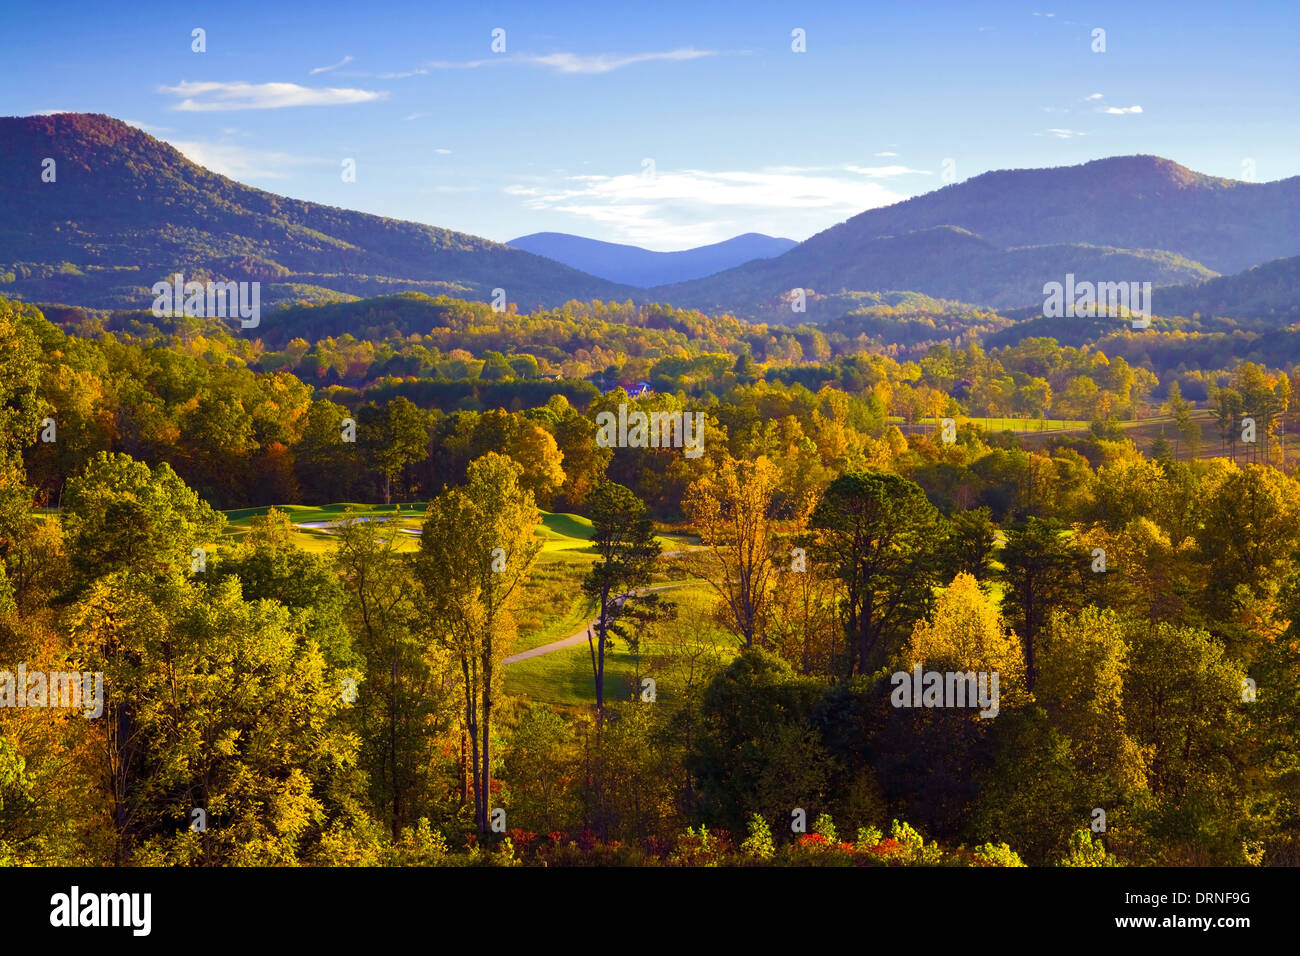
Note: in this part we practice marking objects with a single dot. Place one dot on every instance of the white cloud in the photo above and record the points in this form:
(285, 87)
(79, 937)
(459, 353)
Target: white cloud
(240, 162)
(1121, 110)
(442, 152)
(1094, 96)
(212, 97)
(690, 206)
(1065, 133)
(325, 69)
(886, 154)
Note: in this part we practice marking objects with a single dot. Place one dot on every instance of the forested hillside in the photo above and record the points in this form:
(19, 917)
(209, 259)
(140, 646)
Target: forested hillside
(126, 210)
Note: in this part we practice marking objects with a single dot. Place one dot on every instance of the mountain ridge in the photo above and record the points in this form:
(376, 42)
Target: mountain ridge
(133, 209)
(126, 210)
(645, 268)
(1180, 226)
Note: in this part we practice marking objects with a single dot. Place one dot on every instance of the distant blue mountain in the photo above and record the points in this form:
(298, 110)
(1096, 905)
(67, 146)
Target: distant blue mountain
(632, 265)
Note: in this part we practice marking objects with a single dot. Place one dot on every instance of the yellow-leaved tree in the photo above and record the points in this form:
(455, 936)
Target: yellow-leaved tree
(966, 633)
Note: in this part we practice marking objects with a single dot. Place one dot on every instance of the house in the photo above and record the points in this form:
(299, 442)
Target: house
(633, 389)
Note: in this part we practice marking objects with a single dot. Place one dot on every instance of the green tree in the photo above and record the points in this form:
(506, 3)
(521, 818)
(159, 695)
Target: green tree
(1043, 570)
(626, 550)
(121, 515)
(884, 539)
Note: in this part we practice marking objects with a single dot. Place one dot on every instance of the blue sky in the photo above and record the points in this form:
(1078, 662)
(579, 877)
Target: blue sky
(744, 134)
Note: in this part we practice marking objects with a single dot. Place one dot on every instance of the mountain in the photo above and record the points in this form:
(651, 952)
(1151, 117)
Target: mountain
(1270, 292)
(1260, 305)
(945, 262)
(1129, 202)
(997, 238)
(126, 210)
(635, 266)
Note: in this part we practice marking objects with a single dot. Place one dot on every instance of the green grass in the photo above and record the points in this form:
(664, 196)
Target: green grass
(565, 677)
(563, 525)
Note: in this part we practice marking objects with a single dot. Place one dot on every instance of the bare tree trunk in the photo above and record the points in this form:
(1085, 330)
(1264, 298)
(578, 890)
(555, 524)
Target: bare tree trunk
(487, 735)
(392, 749)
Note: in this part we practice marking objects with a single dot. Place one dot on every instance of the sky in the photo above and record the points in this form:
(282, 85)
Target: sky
(671, 124)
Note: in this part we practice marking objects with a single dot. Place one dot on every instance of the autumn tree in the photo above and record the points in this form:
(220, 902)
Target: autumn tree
(213, 704)
(1249, 532)
(1084, 667)
(476, 549)
(733, 511)
(925, 748)
(534, 449)
(401, 701)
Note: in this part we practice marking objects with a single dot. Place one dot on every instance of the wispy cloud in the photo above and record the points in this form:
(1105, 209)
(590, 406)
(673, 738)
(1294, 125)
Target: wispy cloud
(1121, 110)
(887, 153)
(573, 63)
(608, 62)
(1093, 96)
(1065, 133)
(881, 171)
(325, 69)
(214, 97)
